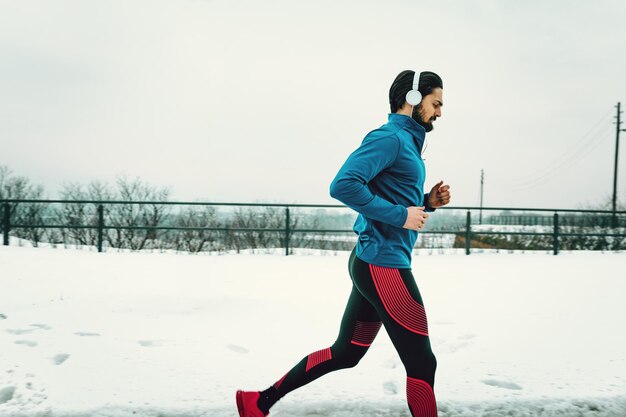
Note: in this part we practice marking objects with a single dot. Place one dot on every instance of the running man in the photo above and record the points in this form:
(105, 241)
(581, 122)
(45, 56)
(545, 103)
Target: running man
(383, 181)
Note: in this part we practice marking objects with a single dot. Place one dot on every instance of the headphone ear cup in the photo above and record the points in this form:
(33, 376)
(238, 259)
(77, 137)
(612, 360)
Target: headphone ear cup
(413, 97)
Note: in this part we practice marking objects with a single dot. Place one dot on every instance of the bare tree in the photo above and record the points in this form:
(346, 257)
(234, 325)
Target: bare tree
(24, 214)
(79, 213)
(271, 218)
(127, 215)
(257, 218)
(196, 240)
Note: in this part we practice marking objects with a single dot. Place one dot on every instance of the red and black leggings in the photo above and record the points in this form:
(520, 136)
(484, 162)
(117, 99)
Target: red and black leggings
(380, 297)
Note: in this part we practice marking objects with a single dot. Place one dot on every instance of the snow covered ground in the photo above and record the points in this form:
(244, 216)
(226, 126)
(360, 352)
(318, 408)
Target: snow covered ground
(148, 334)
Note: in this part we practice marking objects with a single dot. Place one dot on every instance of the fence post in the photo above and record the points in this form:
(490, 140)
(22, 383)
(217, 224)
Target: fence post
(100, 226)
(555, 239)
(468, 233)
(6, 223)
(286, 231)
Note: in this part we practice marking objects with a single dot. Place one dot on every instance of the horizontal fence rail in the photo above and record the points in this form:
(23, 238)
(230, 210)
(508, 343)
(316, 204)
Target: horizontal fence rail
(31, 219)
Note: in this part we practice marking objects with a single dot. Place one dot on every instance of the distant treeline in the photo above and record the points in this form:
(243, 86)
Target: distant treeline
(69, 219)
(134, 226)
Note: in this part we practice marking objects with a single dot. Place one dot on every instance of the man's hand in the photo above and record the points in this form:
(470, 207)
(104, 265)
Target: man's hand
(439, 195)
(416, 218)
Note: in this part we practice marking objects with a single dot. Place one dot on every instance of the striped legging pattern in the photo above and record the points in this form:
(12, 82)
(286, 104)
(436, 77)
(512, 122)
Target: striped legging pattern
(421, 398)
(318, 357)
(365, 332)
(398, 301)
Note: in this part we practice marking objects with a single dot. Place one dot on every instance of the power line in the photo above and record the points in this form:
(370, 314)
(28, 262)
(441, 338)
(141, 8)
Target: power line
(580, 148)
(556, 168)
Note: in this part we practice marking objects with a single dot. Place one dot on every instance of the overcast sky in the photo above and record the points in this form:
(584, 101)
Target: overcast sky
(244, 101)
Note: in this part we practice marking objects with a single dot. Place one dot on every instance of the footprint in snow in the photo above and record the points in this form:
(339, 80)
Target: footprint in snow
(87, 334)
(501, 384)
(238, 349)
(34, 327)
(150, 343)
(28, 343)
(6, 394)
(60, 358)
(21, 389)
(2, 316)
(390, 388)
(20, 331)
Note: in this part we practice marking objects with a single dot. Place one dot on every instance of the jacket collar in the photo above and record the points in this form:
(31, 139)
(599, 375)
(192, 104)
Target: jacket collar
(406, 122)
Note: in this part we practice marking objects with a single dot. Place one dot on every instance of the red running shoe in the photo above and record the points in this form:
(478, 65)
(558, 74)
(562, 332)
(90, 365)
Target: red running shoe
(247, 404)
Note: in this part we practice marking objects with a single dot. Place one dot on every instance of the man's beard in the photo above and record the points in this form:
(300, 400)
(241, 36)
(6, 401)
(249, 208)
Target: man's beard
(417, 116)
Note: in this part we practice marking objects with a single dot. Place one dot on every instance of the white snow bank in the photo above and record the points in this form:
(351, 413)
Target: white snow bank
(135, 334)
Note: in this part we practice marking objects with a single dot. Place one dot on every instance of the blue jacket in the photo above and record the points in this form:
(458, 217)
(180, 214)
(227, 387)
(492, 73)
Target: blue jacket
(379, 180)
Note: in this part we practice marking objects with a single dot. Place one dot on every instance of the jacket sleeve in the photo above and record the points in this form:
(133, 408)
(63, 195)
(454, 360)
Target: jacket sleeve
(350, 184)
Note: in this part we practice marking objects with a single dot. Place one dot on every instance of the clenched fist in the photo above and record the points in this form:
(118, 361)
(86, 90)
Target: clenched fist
(439, 195)
(416, 218)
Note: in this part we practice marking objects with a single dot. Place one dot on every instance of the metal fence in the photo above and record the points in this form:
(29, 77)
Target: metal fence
(133, 223)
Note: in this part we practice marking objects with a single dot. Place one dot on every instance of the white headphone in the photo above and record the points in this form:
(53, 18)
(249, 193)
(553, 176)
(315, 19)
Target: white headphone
(414, 97)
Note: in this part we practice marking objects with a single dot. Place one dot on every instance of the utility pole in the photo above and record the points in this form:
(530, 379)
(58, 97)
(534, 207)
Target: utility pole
(482, 182)
(618, 129)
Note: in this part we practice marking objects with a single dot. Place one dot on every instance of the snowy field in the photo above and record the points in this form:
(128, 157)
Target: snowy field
(148, 334)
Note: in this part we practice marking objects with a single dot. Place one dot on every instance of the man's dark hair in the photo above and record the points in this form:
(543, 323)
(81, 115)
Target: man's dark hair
(404, 83)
